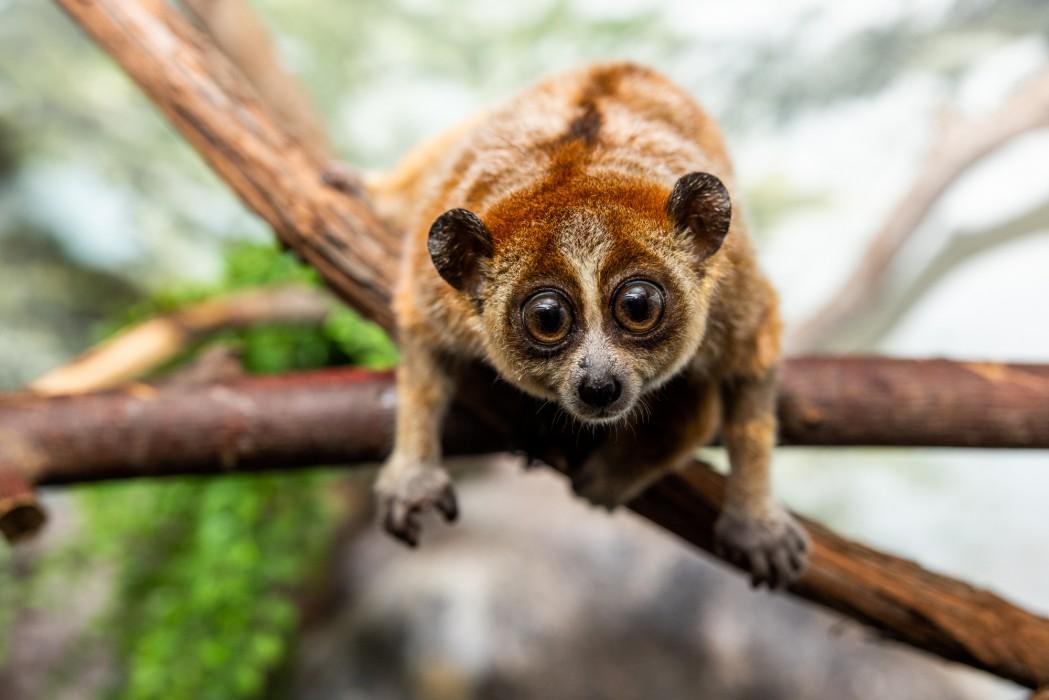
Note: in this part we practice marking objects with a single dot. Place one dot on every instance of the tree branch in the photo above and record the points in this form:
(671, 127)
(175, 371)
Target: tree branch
(20, 512)
(961, 144)
(885, 310)
(208, 100)
(242, 36)
(346, 416)
(140, 349)
(918, 403)
(201, 92)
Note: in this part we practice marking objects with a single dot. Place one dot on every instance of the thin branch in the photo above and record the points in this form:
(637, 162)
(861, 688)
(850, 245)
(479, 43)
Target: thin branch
(243, 37)
(139, 350)
(886, 310)
(960, 145)
(346, 416)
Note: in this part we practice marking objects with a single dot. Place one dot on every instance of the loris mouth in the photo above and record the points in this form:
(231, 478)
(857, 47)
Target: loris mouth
(606, 415)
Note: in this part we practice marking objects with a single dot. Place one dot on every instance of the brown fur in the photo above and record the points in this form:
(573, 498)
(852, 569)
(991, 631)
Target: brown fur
(571, 178)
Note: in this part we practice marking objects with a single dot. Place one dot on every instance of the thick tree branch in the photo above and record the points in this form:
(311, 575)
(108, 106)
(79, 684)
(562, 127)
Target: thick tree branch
(208, 100)
(202, 93)
(961, 144)
(919, 403)
(242, 36)
(145, 347)
(346, 416)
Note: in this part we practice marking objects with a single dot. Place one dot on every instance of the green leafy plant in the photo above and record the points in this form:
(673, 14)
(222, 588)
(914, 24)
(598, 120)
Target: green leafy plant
(204, 569)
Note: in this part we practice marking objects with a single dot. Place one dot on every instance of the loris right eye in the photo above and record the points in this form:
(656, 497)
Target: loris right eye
(638, 306)
(547, 317)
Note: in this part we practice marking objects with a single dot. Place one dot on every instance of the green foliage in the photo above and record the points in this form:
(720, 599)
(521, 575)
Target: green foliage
(204, 572)
(343, 338)
(204, 567)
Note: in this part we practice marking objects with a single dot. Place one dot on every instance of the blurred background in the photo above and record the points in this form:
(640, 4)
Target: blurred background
(839, 116)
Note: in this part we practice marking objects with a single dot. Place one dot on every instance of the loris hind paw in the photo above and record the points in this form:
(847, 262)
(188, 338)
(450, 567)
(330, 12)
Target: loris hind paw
(773, 547)
(406, 491)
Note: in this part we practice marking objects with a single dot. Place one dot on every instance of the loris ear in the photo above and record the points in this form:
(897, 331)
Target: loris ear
(699, 206)
(459, 243)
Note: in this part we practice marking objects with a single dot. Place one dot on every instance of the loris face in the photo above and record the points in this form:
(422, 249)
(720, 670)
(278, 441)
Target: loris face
(590, 306)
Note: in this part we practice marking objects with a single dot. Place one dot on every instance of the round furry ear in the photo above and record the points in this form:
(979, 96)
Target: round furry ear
(458, 244)
(699, 205)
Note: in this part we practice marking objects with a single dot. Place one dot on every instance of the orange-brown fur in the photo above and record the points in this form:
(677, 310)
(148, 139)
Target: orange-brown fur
(571, 178)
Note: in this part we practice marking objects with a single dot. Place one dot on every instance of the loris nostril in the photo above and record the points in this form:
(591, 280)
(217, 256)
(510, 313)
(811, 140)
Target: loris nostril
(600, 392)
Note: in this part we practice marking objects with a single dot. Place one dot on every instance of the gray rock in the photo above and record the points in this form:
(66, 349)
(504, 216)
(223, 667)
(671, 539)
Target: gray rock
(535, 595)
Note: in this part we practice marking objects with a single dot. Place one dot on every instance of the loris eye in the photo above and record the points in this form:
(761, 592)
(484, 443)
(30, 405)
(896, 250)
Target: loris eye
(638, 306)
(547, 317)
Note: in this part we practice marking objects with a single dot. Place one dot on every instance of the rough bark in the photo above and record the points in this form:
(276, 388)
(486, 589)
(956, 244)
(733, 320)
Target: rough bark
(344, 415)
(208, 100)
(918, 403)
(243, 37)
(202, 94)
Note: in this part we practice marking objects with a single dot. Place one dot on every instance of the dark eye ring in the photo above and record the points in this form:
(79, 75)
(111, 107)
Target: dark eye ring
(547, 316)
(637, 306)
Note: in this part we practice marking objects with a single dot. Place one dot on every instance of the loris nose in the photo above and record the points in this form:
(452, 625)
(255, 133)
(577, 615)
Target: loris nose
(599, 392)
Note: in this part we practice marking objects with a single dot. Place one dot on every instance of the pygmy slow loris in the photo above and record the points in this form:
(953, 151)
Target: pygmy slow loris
(581, 240)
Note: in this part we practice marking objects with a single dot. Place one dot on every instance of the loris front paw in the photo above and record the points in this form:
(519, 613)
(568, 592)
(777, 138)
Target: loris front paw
(406, 490)
(772, 546)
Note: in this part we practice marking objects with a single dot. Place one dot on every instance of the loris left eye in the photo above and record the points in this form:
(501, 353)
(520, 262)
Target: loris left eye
(547, 317)
(638, 306)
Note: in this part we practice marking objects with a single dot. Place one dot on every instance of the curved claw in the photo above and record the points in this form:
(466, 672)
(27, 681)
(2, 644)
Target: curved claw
(771, 547)
(406, 492)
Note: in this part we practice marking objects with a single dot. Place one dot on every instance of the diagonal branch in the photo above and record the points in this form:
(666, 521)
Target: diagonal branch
(886, 310)
(962, 144)
(208, 100)
(242, 36)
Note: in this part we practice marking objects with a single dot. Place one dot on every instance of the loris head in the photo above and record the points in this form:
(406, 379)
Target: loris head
(591, 293)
